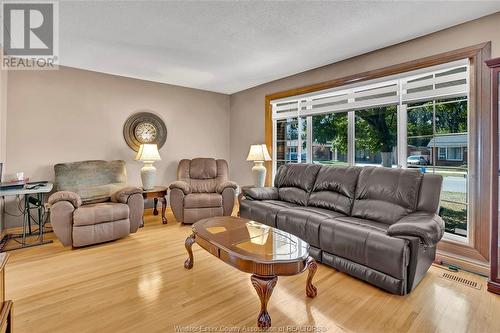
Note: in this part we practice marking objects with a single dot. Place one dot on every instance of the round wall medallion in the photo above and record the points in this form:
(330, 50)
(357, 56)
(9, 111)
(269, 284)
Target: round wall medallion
(144, 127)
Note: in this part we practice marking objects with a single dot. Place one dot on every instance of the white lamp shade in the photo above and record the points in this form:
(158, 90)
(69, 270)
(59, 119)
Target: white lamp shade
(258, 153)
(148, 152)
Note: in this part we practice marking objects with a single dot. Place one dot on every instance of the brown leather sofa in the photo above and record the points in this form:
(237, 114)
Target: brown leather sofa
(93, 204)
(202, 190)
(377, 224)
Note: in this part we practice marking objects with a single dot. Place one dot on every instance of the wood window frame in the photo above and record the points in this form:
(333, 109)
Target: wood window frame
(473, 255)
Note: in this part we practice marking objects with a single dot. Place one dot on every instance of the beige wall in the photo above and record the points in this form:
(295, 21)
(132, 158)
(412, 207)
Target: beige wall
(71, 115)
(247, 107)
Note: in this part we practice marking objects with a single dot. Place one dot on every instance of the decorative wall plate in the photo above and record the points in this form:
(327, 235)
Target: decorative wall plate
(144, 127)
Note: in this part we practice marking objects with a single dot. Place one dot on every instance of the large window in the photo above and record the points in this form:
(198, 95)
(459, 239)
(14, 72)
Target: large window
(438, 143)
(417, 120)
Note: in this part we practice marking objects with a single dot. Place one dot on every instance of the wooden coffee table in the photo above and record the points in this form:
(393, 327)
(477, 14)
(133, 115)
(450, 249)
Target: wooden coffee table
(254, 248)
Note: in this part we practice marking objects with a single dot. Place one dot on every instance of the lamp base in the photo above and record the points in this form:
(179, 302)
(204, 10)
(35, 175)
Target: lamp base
(259, 174)
(148, 176)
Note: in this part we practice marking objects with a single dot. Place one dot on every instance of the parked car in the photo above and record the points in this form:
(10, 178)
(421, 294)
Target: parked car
(415, 160)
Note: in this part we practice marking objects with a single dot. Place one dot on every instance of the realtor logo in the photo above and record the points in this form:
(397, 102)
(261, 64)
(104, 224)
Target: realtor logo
(29, 35)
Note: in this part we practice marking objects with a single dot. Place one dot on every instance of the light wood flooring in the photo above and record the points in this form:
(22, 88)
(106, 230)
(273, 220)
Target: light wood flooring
(139, 284)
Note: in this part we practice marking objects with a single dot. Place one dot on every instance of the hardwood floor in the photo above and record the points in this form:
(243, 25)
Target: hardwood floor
(139, 284)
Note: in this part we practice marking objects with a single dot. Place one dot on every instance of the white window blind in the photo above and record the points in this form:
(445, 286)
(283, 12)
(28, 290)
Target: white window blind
(285, 109)
(352, 99)
(443, 84)
(448, 81)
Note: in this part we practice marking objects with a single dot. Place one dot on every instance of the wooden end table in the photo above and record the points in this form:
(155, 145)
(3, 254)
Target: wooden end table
(157, 193)
(254, 248)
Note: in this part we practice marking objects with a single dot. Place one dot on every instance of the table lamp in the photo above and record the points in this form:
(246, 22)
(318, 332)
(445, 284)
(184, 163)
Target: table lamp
(258, 154)
(148, 153)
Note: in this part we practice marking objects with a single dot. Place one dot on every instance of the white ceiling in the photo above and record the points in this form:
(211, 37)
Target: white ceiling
(231, 46)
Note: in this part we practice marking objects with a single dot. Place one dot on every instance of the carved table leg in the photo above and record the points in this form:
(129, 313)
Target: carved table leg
(311, 290)
(188, 264)
(155, 204)
(163, 208)
(264, 287)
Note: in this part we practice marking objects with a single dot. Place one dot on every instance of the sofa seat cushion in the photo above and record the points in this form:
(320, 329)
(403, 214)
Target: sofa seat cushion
(364, 222)
(203, 200)
(366, 243)
(264, 211)
(304, 222)
(100, 213)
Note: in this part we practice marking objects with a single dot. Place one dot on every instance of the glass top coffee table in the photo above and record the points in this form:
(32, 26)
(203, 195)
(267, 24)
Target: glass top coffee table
(254, 248)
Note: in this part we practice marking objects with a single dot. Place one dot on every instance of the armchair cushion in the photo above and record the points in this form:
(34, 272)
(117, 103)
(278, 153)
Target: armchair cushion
(181, 185)
(100, 213)
(202, 200)
(261, 193)
(68, 196)
(227, 184)
(203, 168)
(122, 195)
(427, 226)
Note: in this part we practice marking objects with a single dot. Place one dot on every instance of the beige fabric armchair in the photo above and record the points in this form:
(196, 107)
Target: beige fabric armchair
(93, 204)
(202, 190)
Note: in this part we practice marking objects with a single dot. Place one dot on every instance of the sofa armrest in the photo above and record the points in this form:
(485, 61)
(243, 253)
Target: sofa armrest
(123, 195)
(427, 226)
(177, 203)
(261, 193)
(68, 196)
(61, 220)
(227, 184)
(181, 185)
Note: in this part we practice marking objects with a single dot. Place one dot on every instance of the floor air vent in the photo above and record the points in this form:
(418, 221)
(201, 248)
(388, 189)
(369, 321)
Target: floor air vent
(461, 280)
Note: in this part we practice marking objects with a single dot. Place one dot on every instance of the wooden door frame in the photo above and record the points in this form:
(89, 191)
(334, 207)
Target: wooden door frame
(474, 255)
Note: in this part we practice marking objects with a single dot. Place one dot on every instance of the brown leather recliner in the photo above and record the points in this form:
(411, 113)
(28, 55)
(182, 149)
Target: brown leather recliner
(93, 204)
(202, 190)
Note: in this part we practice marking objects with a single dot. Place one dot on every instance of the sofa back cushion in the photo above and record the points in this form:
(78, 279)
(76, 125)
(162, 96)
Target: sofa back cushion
(335, 188)
(386, 195)
(430, 192)
(93, 181)
(203, 168)
(295, 182)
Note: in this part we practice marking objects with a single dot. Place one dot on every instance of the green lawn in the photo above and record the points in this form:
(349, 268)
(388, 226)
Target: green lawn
(454, 196)
(454, 214)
